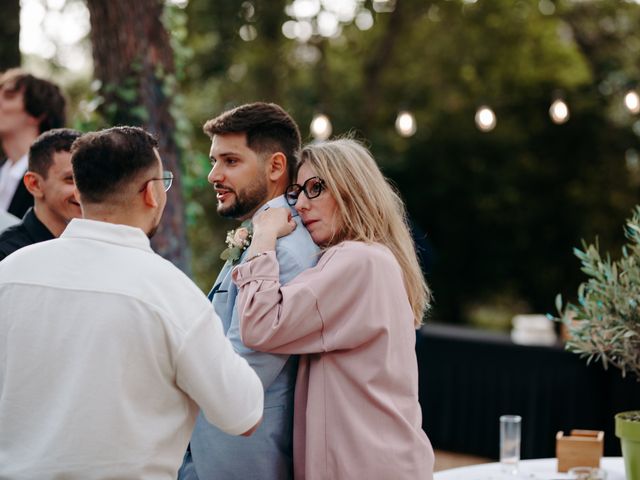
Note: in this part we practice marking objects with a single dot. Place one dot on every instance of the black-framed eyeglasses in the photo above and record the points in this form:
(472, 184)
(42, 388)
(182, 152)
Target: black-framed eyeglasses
(312, 187)
(167, 180)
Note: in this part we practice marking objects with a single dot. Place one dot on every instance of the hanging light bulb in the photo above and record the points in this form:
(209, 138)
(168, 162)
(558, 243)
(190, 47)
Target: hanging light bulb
(321, 127)
(406, 124)
(632, 101)
(559, 111)
(485, 119)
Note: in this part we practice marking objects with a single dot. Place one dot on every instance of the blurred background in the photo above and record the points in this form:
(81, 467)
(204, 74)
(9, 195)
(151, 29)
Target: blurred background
(510, 127)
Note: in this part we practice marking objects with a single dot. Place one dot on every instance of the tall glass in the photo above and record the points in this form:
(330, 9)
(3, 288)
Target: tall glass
(510, 443)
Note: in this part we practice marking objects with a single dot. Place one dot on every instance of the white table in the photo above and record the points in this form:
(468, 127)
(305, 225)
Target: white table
(539, 469)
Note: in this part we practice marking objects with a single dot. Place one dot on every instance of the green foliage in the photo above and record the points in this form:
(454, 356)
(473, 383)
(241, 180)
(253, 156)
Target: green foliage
(205, 229)
(112, 104)
(501, 210)
(605, 325)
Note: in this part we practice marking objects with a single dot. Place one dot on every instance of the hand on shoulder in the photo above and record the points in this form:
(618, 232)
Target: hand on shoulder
(274, 221)
(268, 226)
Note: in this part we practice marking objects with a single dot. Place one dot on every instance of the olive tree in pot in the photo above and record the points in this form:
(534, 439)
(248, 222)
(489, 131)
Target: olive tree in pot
(605, 324)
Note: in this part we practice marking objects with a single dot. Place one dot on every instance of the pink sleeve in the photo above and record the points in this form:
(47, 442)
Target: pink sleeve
(341, 303)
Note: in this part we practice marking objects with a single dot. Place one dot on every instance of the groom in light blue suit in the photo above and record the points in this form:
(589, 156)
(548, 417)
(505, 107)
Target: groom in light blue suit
(253, 152)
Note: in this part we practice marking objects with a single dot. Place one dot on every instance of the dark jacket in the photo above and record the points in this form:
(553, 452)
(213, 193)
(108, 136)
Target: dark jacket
(30, 230)
(21, 201)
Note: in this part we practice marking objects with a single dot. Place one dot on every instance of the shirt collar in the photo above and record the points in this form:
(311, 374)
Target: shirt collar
(276, 202)
(107, 232)
(35, 227)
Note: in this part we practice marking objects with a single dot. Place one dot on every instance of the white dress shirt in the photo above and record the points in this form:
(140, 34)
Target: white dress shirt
(10, 176)
(107, 351)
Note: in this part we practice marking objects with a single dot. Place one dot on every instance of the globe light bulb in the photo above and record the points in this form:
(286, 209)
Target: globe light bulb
(406, 124)
(559, 112)
(632, 101)
(321, 127)
(485, 119)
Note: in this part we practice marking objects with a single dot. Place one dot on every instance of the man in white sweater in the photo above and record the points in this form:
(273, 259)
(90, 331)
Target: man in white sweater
(109, 350)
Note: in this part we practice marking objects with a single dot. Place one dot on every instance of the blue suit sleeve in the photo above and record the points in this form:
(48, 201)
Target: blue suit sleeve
(269, 365)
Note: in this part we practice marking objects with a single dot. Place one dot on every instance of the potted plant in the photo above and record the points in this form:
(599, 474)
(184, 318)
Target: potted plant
(605, 324)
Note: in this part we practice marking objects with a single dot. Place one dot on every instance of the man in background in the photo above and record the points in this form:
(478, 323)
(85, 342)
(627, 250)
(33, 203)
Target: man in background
(29, 106)
(107, 349)
(49, 180)
(254, 148)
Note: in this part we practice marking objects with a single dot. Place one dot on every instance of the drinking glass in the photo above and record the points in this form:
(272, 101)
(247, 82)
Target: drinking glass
(510, 443)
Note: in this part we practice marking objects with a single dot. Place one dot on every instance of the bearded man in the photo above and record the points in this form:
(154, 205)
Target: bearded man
(254, 149)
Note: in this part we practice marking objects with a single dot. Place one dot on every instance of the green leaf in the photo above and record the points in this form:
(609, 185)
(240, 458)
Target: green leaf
(140, 112)
(127, 94)
(559, 303)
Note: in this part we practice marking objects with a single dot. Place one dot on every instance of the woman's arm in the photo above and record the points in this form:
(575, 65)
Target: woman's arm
(266, 322)
(352, 295)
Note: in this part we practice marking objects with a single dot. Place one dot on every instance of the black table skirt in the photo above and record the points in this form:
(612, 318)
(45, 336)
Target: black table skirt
(469, 378)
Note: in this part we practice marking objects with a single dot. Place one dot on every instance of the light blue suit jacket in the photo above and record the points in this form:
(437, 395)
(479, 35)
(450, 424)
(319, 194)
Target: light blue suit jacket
(267, 454)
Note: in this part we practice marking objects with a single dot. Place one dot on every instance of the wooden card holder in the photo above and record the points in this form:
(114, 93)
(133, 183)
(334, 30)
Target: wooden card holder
(582, 448)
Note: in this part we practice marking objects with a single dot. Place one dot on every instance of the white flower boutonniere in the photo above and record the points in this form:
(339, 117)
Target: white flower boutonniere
(237, 241)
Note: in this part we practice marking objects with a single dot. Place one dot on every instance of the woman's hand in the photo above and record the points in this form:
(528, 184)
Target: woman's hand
(276, 222)
(269, 226)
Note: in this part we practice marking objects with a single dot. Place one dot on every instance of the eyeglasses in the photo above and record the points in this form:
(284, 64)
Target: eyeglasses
(167, 180)
(311, 188)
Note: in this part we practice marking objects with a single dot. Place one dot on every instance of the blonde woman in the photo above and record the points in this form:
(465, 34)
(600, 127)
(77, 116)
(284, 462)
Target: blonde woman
(352, 317)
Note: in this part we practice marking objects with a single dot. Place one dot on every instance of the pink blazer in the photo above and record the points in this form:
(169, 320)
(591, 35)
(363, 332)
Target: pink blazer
(356, 408)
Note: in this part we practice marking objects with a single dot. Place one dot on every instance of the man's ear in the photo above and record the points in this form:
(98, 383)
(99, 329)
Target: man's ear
(33, 182)
(149, 196)
(277, 166)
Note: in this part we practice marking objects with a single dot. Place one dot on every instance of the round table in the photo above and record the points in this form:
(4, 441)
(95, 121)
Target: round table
(538, 469)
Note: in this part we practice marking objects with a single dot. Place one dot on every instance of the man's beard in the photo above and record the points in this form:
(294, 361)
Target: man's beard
(154, 228)
(246, 201)
(153, 231)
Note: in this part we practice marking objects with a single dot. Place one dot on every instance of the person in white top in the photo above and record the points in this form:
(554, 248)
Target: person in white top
(108, 350)
(29, 106)
(6, 220)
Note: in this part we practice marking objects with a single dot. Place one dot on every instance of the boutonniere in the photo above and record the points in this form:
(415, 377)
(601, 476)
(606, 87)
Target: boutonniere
(238, 240)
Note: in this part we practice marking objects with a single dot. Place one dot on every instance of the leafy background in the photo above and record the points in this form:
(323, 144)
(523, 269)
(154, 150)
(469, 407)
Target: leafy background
(497, 214)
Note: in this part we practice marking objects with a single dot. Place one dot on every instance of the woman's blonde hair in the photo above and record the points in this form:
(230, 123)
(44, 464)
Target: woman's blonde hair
(370, 209)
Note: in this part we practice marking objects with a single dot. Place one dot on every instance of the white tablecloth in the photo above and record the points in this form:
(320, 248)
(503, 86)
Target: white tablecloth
(539, 469)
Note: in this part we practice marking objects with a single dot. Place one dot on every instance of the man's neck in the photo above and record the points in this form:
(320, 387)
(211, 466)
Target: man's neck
(16, 145)
(250, 215)
(115, 216)
(53, 223)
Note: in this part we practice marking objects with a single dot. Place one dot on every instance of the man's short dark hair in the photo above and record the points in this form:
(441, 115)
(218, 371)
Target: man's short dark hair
(42, 99)
(268, 127)
(50, 142)
(106, 160)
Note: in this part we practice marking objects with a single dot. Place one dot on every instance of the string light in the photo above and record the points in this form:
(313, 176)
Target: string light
(406, 124)
(559, 111)
(485, 119)
(632, 101)
(321, 127)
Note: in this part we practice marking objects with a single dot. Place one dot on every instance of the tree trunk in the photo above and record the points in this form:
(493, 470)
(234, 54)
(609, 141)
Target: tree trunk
(10, 35)
(374, 68)
(134, 61)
